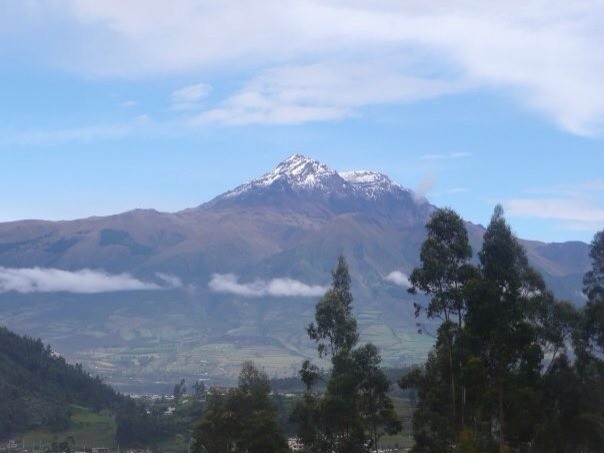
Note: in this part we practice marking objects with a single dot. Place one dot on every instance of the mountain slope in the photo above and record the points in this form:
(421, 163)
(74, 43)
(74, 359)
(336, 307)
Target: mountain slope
(208, 270)
(37, 387)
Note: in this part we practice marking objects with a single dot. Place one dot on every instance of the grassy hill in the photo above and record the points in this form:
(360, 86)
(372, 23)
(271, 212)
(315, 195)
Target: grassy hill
(39, 388)
(49, 404)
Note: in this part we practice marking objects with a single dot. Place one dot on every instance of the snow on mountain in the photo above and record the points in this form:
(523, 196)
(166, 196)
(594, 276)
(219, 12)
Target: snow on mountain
(300, 173)
(370, 184)
(303, 174)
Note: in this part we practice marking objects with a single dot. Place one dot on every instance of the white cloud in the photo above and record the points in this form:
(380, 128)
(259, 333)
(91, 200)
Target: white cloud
(398, 278)
(171, 280)
(278, 287)
(585, 189)
(324, 91)
(84, 281)
(187, 98)
(576, 206)
(545, 55)
(556, 208)
(191, 93)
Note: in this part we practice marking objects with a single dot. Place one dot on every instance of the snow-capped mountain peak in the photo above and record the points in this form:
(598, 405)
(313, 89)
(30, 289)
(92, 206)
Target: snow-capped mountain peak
(300, 170)
(301, 174)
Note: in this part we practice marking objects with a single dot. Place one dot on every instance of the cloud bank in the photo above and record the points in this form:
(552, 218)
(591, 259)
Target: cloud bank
(398, 278)
(84, 281)
(277, 287)
(304, 60)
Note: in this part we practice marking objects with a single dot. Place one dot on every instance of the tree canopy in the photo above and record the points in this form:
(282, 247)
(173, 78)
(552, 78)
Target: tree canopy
(354, 410)
(501, 376)
(242, 419)
(37, 386)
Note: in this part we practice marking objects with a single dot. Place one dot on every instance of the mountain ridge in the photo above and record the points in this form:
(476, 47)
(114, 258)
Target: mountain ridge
(291, 222)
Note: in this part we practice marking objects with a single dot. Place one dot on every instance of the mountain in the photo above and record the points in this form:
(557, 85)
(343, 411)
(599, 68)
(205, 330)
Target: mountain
(234, 278)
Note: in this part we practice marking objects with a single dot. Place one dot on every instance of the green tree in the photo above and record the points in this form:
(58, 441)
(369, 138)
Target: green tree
(574, 391)
(342, 427)
(593, 288)
(503, 338)
(512, 339)
(335, 328)
(179, 390)
(220, 425)
(332, 422)
(444, 269)
(135, 427)
(432, 428)
(375, 406)
(199, 390)
(572, 417)
(243, 420)
(37, 387)
(354, 410)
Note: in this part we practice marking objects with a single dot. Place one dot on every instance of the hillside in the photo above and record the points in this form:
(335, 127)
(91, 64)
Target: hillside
(170, 295)
(38, 387)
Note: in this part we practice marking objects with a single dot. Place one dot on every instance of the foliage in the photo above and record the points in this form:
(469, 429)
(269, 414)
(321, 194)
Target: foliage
(40, 392)
(503, 340)
(375, 406)
(241, 420)
(199, 390)
(593, 288)
(499, 377)
(179, 390)
(138, 428)
(38, 386)
(444, 270)
(354, 410)
(335, 330)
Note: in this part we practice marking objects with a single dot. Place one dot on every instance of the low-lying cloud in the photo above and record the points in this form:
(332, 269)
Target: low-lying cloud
(277, 287)
(398, 278)
(170, 280)
(84, 281)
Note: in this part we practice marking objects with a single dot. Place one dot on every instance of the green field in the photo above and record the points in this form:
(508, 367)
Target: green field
(87, 430)
(90, 430)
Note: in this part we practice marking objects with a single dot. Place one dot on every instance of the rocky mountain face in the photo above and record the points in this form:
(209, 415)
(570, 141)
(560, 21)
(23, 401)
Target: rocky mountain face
(233, 278)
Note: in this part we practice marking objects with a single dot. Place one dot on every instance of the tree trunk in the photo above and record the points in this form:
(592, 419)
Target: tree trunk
(501, 421)
(461, 357)
(453, 399)
(375, 437)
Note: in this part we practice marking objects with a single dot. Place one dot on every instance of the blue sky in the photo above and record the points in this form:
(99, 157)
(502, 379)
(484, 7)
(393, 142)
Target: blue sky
(114, 105)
